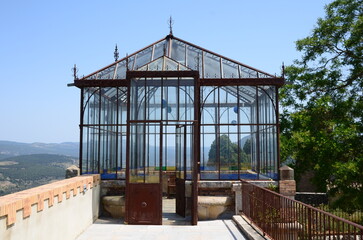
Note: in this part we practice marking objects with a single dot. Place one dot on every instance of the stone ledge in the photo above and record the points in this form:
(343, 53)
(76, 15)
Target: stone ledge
(11, 203)
(114, 205)
(248, 230)
(212, 207)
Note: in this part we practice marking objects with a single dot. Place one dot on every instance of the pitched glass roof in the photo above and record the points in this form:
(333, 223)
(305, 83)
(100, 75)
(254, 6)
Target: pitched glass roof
(171, 54)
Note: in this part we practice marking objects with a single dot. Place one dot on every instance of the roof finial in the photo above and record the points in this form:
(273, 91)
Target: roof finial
(75, 71)
(283, 70)
(116, 54)
(171, 23)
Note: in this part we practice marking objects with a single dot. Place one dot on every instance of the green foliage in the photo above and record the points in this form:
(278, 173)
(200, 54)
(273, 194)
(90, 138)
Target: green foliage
(228, 152)
(321, 126)
(247, 146)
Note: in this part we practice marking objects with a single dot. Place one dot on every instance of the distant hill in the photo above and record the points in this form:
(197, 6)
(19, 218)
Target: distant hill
(10, 149)
(27, 171)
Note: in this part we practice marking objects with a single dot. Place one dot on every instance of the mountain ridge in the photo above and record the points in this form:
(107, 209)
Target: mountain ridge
(12, 148)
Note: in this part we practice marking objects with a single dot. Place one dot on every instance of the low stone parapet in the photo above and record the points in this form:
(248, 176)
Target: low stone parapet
(212, 207)
(59, 210)
(114, 205)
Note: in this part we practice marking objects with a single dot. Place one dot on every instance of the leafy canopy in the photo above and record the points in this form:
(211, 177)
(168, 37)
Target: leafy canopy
(321, 125)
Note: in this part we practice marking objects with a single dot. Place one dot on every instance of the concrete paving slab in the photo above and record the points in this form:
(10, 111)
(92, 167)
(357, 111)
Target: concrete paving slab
(205, 230)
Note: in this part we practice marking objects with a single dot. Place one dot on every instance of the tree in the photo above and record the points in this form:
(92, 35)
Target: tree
(228, 152)
(321, 126)
(247, 146)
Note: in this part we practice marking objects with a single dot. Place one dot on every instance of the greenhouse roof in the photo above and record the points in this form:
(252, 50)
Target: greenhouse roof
(174, 54)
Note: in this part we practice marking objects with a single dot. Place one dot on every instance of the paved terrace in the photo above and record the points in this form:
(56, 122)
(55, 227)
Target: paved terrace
(208, 230)
(68, 210)
(174, 227)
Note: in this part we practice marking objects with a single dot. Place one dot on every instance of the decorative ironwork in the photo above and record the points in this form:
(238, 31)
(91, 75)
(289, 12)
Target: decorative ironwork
(75, 71)
(116, 54)
(171, 23)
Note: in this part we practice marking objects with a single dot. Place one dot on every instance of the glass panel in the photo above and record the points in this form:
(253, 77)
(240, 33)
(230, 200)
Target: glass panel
(180, 151)
(143, 57)
(178, 51)
(212, 66)
(121, 70)
(107, 73)
(209, 161)
(230, 69)
(170, 65)
(159, 49)
(156, 65)
(144, 153)
(228, 152)
(194, 59)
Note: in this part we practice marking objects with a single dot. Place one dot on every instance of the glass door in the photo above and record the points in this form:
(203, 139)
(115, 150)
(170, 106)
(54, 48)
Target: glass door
(144, 190)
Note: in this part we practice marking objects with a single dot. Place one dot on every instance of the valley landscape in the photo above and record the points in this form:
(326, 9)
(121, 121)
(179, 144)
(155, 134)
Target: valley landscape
(28, 165)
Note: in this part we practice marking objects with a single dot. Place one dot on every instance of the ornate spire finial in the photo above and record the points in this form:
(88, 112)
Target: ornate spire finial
(283, 70)
(116, 54)
(171, 23)
(75, 71)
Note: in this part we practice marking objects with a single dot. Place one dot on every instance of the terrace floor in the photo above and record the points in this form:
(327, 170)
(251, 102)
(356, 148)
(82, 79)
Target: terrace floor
(174, 227)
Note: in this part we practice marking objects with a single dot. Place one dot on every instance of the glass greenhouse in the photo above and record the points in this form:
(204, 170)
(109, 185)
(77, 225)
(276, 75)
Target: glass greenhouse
(176, 107)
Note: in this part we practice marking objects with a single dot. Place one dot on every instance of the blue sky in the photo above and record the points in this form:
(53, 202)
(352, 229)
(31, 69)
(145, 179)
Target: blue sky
(41, 40)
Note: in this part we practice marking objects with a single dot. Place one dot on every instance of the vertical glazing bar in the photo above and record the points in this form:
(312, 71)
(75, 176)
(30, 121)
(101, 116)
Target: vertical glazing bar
(196, 150)
(144, 128)
(218, 142)
(160, 153)
(81, 132)
(128, 139)
(117, 131)
(238, 137)
(99, 131)
(277, 131)
(257, 134)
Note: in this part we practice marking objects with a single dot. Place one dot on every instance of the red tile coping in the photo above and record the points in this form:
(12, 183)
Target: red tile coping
(11, 203)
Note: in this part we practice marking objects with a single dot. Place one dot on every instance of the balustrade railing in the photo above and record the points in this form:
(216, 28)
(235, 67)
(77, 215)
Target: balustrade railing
(280, 217)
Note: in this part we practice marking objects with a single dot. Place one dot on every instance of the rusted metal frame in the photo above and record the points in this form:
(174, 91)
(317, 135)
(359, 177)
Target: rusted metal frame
(299, 209)
(117, 132)
(185, 153)
(99, 130)
(205, 50)
(196, 151)
(218, 131)
(162, 74)
(277, 114)
(160, 169)
(144, 129)
(101, 83)
(238, 135)
(241, 124)
(152, 53)
(128, 139)
(221, 68)
(81, 133)
(169, 41)
(203, 68)
(258, 134)
(265, 134)
(123, 59)
(178, 99)
(242, 81)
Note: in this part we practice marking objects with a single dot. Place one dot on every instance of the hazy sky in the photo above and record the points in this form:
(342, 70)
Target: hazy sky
(41, 40)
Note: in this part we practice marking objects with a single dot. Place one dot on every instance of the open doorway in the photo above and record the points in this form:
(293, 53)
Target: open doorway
(177, 166)
(162, 132)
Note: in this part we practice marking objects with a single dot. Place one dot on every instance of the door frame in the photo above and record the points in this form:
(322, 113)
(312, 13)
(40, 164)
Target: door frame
(130, 187)
(130, 75)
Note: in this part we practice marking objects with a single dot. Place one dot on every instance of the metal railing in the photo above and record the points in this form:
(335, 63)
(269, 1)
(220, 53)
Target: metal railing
(280, 217)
